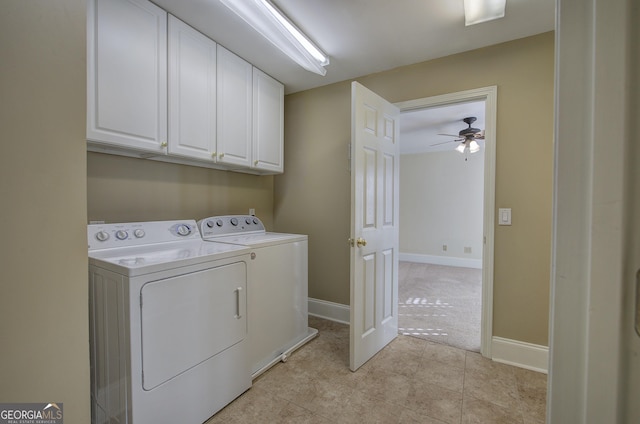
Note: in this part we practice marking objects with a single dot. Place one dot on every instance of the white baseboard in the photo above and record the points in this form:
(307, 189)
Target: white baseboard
(329, 310)
(520, 354)
(441, 260)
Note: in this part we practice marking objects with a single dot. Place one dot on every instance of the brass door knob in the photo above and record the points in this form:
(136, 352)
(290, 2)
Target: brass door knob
(359, 242)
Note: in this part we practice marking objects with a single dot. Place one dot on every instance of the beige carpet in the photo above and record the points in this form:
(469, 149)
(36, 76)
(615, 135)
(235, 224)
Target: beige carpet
(441, 304)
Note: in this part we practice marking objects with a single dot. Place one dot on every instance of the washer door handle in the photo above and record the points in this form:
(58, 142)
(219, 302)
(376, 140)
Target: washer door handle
(238, 312)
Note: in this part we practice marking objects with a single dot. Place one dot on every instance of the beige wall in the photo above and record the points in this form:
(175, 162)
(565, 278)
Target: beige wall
(317, 183)
(43, 304)
(313, 195)
(441, 198)
(123, 189)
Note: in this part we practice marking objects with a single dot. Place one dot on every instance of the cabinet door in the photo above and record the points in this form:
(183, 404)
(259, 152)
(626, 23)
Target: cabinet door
(127, 74)
(234, 109)
(268, 112)
(192, 92)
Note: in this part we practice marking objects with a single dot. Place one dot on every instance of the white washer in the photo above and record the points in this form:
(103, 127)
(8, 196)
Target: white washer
(277, 298)
(168, 323)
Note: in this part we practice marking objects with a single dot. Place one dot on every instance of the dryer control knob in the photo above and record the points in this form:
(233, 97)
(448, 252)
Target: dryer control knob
(121, 235)
(255, 221)
(248, 221)
(183, 230)
(210, 224)
(219, 223)
(139, 233)
(102, 236)
(234, 222)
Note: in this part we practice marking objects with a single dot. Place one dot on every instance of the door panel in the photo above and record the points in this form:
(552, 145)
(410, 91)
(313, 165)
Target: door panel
(374, 227)
(387, 298)
(127, 74)
(369, 293)
(369, 188)
(187, 319)
(192, 92)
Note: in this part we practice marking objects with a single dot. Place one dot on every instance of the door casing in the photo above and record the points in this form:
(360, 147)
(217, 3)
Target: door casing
(489, 95)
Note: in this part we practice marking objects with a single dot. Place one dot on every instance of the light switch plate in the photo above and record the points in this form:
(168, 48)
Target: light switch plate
(504, 216)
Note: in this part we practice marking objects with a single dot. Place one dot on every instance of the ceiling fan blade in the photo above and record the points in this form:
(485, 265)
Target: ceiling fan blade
(451, 135)
(445, 142)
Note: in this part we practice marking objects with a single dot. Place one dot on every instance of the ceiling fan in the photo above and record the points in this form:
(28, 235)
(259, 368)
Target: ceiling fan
(467, 137)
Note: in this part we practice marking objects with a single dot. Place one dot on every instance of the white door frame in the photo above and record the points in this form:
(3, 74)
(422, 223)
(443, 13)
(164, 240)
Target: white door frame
(593, 375)
(489, 95)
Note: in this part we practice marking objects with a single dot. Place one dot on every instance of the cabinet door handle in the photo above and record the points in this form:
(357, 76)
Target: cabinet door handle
(163, 144)
(238, 312)
(256, 162)
(221, 155)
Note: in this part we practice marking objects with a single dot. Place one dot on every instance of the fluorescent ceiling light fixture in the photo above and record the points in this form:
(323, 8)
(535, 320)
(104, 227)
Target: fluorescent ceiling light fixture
(478, 11)
(265, 18)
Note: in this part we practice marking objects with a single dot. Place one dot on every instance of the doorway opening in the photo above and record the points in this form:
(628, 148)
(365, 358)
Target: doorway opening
(446, 220)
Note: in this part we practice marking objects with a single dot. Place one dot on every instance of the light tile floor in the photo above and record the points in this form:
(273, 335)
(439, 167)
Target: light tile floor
(409, 381)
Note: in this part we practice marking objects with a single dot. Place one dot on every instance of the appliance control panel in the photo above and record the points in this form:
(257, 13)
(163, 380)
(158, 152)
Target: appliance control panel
(106, 236)
(215, 226)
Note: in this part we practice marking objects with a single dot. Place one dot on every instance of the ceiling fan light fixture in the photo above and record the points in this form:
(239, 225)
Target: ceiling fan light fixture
(461, 147)
(273, 25)
(474, 146)
(478, 11)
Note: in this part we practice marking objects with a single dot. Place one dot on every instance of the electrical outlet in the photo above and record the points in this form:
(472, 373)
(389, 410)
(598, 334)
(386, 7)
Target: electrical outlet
(252, 212)
(444, 247)
(467, 249)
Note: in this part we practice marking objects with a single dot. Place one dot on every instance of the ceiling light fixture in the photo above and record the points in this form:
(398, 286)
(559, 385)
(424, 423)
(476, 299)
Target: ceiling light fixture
(273, 25)
(468, 146)
(478, 11)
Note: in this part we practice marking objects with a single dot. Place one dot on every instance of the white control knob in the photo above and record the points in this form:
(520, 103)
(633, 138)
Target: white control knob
(121, 235)
(255, 221)
(210, 224)
(219, 223)
(248, 221)
(139, 233)
(234, 222)
(102, 236)
(183, 230)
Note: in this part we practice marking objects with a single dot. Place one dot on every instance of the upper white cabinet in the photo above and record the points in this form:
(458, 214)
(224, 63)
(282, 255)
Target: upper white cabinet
(235, 97)
(192, 92)
(185, 100)
(268, 122)
(127, 74)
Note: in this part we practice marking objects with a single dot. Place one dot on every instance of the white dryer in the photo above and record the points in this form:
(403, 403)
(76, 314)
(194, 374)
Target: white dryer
(168, 323)
(277, 298)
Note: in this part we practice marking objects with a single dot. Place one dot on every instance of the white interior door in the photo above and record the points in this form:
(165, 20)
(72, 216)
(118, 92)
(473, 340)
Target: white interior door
(375, 160)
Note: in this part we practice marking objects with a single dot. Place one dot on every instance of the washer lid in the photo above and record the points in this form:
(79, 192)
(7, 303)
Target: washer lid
(138, 260)
(260, 239)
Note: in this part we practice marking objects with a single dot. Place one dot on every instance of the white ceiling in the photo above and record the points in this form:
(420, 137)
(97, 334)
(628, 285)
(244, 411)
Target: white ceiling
(363, 36)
